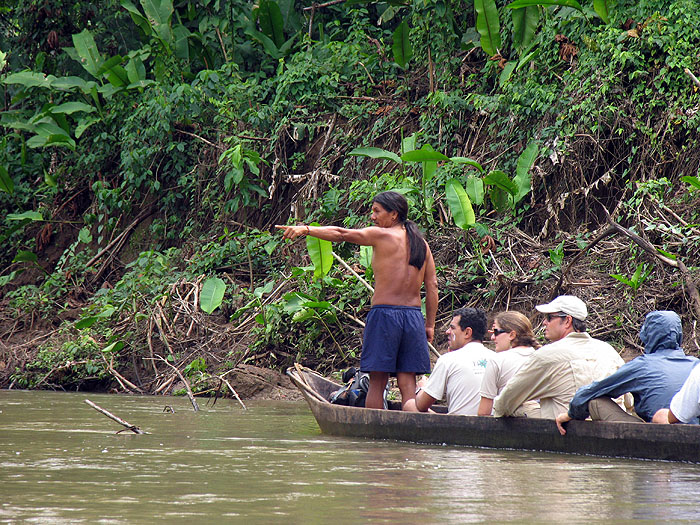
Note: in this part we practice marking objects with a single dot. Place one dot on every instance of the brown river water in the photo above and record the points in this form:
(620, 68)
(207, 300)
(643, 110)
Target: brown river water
(62, 462)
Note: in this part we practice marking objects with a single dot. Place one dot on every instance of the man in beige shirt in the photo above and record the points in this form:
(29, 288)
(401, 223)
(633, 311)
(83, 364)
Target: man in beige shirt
(555, 371)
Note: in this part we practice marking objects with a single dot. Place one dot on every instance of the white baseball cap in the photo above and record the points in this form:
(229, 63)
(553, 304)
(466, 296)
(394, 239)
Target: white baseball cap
(567, 304)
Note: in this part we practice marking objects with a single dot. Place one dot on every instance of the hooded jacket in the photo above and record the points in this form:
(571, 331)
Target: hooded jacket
(653, 378)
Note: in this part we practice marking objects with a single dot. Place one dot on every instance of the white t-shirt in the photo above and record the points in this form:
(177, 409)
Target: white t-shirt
(685, 405)
(457, 378)
(501, 368)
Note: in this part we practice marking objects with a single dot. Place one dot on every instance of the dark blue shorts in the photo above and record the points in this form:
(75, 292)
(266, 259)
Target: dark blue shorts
(394, 340)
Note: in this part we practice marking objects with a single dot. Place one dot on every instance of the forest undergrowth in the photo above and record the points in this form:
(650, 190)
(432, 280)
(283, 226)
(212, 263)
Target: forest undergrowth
(150, 148)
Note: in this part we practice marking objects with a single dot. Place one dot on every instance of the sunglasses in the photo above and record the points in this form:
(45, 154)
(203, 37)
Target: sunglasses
(496, 332)
(552, 316)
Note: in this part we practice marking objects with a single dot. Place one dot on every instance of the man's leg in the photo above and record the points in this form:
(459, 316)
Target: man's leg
(605, 409)
(375, 394)
(407, 386)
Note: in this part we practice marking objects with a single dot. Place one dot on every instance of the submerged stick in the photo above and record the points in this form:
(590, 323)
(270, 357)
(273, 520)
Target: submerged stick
(127, 425)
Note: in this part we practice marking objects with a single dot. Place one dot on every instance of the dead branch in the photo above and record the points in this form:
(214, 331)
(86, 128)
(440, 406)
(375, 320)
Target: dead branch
(222, 378)
(127, 425)
(187, 384)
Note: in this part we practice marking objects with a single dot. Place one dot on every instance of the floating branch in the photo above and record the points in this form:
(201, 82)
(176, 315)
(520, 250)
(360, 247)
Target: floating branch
(127, 425)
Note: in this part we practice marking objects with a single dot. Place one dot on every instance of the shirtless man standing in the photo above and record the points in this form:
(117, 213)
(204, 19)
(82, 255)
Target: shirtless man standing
(396, 335)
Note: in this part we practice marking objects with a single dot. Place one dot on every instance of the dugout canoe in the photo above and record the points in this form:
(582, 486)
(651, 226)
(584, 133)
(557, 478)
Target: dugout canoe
(597, 438)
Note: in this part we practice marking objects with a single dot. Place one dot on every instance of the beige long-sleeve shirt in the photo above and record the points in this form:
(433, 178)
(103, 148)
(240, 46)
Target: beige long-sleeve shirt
(554, 372)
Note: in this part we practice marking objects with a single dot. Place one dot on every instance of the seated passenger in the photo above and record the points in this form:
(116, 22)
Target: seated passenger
(685, 405)
(457, 374)
(515, 342)
(652, 378)
(554, 373)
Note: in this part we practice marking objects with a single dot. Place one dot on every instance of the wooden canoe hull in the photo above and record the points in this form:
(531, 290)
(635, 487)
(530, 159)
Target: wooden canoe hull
(625, 440)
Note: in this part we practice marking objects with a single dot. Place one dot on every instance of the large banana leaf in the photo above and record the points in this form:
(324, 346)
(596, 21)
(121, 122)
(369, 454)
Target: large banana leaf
(375, 153)
(423, 155)
(488, 25)
(459, 204)
(522, 177)
(212, 294)
(86, 48)
(271, 21)
(601, 9)
(526, 3)
(499, 179)
(525, 22)
(321, 253)
(403, 51)
(6, 183)
(159, 13)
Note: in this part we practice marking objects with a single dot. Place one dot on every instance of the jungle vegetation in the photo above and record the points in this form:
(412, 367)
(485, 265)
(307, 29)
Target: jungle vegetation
(149, 146)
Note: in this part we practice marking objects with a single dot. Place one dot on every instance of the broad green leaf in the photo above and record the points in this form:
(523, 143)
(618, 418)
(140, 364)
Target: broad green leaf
(42, 141)
(136, 16)
(182, 45)
(212, 294)
(84, 124)
(488, 25)
(50, 180)
(159, 13)
(522, 172)
(469, 162)
(601, 9)
(3, 60)
(459, 203)
(475, 190)
(693, 181)
(113, 348)
(85, 322)
(423, 155)
(365, 257)
(321, 254)
(5, 279)
(670, 255)
(84, 235)
(68, 108)
(271, 21)
(409, 143)
(262, 290)
(86, 48)
(69, 84)
(506, 73)
(25, 256)
(303, 315)
(501, 180)
(31, 215)
(267, 43)
(525, 22)
(29, 79)
(135, 70)
(527, 3)
(375, 153)
(270, 246)
(403, 51)
(6, 183)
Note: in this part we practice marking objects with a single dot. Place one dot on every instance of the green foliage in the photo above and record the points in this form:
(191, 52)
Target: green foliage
(212, 294)
(488, 25)
(321, 253)
(637, 279)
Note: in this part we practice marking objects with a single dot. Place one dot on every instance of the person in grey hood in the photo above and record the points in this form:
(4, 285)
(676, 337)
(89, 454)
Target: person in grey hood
(652, 378)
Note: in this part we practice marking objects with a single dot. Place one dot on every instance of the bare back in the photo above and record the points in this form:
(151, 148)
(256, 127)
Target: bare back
(396, 282)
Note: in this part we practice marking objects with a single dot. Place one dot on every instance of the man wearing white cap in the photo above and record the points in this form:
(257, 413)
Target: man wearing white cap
(555, 371)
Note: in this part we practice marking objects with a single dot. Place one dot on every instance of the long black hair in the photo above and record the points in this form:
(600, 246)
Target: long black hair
(392, 201)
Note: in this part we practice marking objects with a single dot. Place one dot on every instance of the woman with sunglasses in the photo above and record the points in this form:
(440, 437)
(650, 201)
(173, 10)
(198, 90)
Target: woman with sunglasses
(515, 342)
